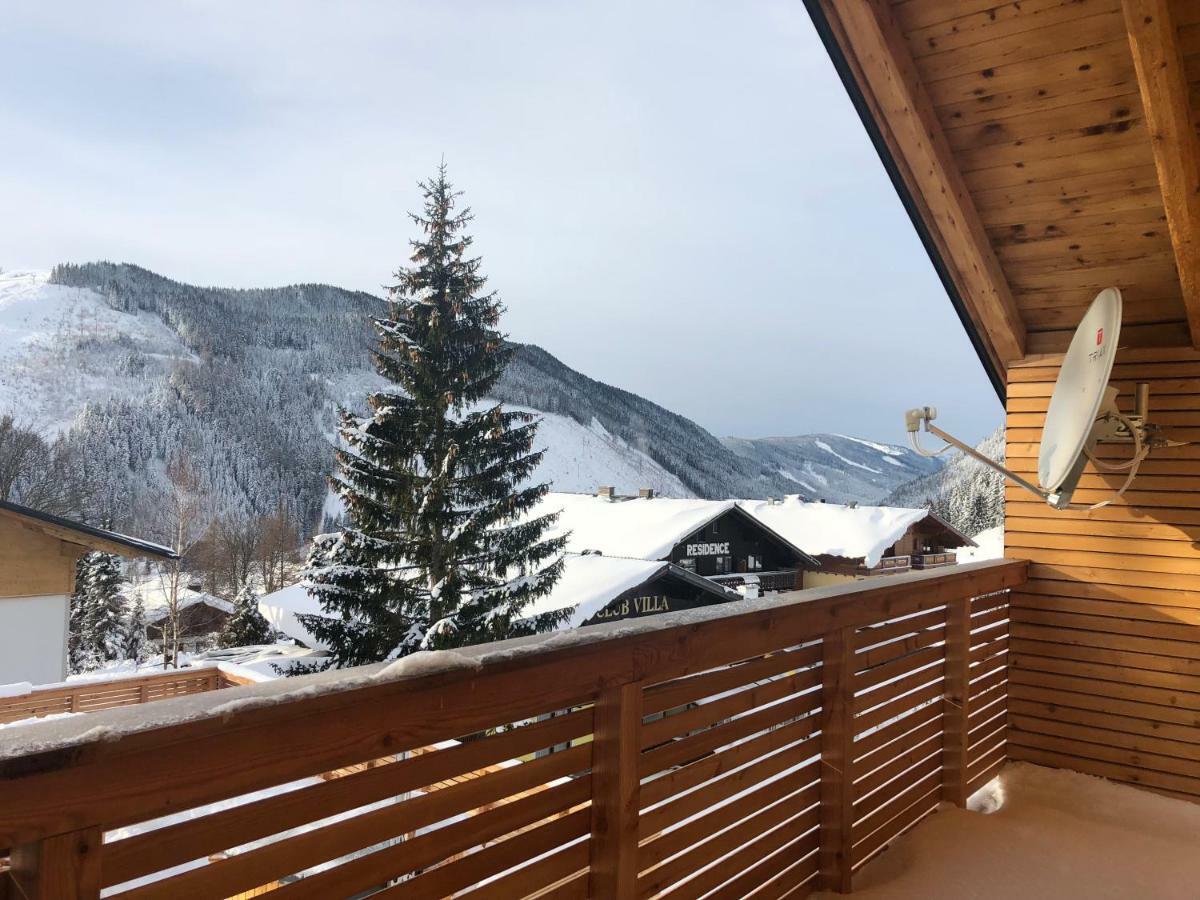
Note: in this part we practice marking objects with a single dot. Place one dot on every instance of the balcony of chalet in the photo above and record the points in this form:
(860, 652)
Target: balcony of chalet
(768, 748)
(770, 744)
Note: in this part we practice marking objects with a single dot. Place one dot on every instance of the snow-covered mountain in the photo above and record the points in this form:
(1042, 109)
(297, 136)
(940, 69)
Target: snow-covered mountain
(965, 493)
(835, 467)
(129, 368)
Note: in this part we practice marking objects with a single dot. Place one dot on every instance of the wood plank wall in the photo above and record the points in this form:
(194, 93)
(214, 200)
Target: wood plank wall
(1105, 643)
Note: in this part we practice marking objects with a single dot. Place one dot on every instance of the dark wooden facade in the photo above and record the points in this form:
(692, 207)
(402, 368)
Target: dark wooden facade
(735, 542)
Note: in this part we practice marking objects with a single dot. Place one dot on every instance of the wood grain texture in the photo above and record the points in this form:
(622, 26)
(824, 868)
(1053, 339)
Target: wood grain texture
(1164, 89)
(615, 802)
(1105, 637)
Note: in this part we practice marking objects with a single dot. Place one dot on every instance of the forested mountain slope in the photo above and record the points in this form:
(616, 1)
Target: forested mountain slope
(835, 467)
(965, 493)
(129, 370)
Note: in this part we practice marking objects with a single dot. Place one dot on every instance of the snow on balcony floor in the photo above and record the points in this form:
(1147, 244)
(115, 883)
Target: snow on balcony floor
(1052, 833)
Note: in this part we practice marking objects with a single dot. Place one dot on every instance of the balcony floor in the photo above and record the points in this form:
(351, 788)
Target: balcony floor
(1054, 834)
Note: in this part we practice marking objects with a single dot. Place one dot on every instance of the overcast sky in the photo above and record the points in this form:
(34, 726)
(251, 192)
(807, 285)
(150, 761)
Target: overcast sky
(673, 197)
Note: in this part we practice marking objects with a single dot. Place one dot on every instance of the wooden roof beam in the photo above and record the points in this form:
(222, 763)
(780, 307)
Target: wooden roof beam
(877, 51)
(1164, 89)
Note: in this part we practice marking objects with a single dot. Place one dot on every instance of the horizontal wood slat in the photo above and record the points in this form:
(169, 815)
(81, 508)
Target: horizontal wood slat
(1105, 637)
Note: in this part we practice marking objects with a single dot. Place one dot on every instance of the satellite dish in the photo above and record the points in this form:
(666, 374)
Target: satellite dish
(1083, 412)
(1079, 393)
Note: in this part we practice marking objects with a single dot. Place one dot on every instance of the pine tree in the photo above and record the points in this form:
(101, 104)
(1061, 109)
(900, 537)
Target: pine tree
(438, 550)
(78, 654)
(247, 627)
(135, 631)
(97, 621)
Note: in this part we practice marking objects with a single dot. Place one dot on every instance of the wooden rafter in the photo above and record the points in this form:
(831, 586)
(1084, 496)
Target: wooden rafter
(1164, 90)
(876, 50)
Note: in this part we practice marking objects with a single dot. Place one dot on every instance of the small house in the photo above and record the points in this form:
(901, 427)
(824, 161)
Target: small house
(201, 616)
(38, 553)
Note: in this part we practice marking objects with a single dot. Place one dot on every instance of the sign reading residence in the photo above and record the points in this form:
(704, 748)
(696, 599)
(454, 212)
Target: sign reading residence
(716, 548)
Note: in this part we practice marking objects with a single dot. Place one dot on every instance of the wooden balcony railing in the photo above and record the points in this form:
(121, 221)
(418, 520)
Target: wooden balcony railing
(93, 696)
(769, 745)
(933, 560)
(888, 565)
(776, 580)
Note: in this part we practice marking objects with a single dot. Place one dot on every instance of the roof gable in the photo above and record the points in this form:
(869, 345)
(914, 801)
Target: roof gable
(84, 535)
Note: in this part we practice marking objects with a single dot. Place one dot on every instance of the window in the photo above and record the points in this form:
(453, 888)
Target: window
(753, 563)
(716, 527)
(722, 564)
(689, 564)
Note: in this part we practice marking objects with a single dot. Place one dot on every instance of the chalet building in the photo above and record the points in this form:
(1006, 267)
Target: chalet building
(38, 553)
(855, 541)
(201, 616)
(714, 539)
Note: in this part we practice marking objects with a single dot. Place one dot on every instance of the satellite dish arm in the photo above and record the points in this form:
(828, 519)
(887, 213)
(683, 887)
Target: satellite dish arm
(913, 420)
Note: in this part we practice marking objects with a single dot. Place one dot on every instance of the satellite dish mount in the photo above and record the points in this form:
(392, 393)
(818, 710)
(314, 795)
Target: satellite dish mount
(1083, 413)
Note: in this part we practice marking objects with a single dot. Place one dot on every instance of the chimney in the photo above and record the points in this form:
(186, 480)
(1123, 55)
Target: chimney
(608, 492)
(646, 493)
(770, 501)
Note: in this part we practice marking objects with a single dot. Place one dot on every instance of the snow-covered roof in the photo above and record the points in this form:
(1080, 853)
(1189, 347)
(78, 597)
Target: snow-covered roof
(591, 582)
(280, 609)
(633, 527)
(829, 529)
(187, 599)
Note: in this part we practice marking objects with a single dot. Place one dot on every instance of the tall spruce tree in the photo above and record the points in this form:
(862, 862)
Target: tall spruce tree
(440, 550)
(97, 612)
(247, 627)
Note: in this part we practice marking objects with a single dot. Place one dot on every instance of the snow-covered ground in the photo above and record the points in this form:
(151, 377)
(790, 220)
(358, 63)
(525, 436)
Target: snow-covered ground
(1052, 833)
(57, 346)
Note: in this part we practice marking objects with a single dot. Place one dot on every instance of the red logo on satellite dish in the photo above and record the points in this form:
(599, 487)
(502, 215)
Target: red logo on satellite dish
(1099, 336)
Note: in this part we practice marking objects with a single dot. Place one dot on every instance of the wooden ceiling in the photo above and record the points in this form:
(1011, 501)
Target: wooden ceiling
(1046, 149)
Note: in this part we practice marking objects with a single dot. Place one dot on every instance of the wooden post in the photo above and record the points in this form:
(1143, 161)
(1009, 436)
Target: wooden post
(837, 778)
(615, 792)
(62, 867)
(954, 703)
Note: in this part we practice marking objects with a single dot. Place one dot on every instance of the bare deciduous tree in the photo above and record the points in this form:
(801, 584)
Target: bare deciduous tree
(185, 513)
(33, 472)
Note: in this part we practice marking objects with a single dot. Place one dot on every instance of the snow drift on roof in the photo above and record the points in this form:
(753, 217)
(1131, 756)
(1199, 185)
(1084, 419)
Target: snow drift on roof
(280, 609)
(591, 582)
(637, 528)
(861, 532)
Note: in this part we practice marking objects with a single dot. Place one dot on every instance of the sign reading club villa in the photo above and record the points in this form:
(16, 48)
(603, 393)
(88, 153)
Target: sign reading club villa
(717, 548)
(635, 606)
